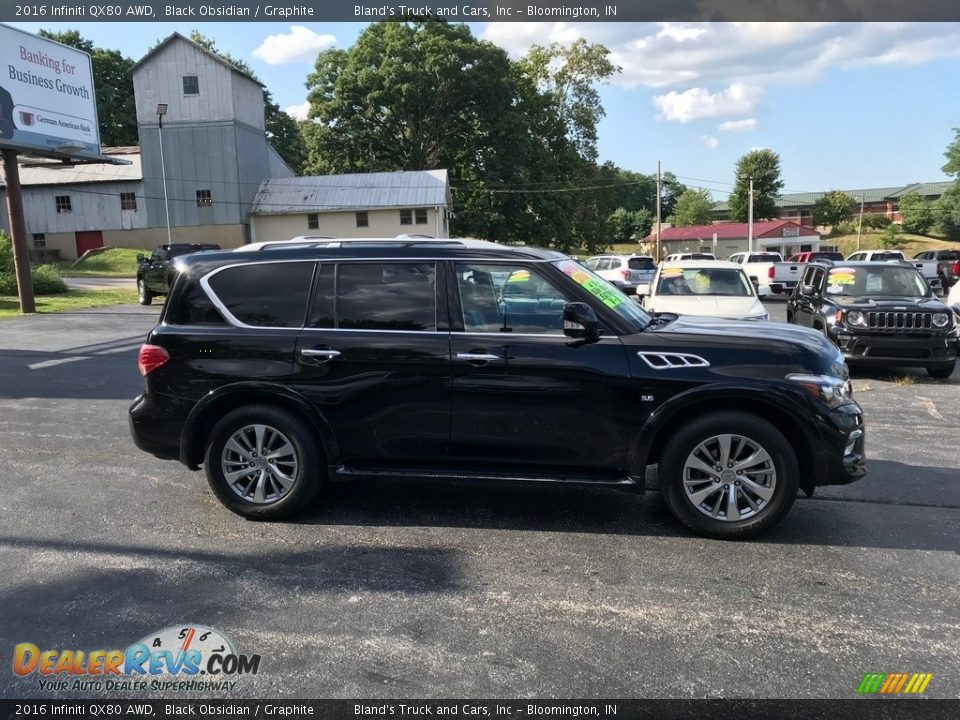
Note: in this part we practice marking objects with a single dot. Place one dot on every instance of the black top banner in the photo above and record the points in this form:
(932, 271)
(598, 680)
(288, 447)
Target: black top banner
(486, 709)
(482, 10)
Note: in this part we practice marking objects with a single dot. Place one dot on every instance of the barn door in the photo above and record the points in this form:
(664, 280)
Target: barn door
(88, 240)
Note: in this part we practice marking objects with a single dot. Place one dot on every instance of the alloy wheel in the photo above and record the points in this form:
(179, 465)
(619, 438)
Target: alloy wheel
(729, 478)
(259, 464)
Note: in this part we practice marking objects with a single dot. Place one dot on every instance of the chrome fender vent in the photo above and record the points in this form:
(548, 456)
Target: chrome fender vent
(672, 361)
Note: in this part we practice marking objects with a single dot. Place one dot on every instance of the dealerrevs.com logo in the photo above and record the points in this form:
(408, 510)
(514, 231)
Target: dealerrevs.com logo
(175, 658)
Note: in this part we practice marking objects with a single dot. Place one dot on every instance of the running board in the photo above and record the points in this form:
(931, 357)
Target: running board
(343, 472)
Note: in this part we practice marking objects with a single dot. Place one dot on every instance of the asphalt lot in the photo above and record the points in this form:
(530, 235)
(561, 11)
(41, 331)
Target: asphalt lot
(430, 590)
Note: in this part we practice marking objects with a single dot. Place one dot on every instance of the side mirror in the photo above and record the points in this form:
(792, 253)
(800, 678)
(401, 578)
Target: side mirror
(808, 290)
(141, 257)
(579, 321)
(643, 290)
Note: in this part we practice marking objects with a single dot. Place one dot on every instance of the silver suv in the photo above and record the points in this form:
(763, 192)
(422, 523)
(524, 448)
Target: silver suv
(623, 271)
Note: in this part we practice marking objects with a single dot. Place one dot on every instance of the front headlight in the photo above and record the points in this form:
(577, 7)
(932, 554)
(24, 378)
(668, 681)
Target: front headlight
(940, 320)
(828, 389)
(857, 318)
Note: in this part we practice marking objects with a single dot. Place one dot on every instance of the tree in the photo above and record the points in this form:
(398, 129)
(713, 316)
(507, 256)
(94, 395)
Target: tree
(917, 215)
(889, 238)
(283, 132)
(952, 166)
(626, 226)
(113, 84)
(947, 212)
(763, 166)
(694, 207)
(833, 208)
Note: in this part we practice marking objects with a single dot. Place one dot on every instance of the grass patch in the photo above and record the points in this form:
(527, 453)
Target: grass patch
(72, 300)
(112, 262)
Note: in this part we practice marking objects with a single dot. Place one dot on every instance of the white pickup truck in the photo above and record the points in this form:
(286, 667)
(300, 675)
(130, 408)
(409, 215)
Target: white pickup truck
(759, 267)
(930, 269)
(787, 274)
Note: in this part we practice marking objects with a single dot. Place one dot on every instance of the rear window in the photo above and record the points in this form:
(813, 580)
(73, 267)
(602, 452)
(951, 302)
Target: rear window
(826, 256)
(641, 263)
(265, 294)
(765, 257)
(887, 256)
(189, 305)
(950, 255)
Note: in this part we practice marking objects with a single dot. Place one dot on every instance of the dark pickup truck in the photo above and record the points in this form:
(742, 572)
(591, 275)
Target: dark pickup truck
(155, 273)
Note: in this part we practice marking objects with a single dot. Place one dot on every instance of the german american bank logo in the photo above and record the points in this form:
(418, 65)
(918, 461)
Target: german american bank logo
(187, 657)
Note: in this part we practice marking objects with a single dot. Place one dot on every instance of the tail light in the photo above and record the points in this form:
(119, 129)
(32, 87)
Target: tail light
(150, 358)
(955, 268)
(626, 274)
(770, 272)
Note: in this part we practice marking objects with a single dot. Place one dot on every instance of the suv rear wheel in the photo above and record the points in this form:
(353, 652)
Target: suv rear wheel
(144, 296)
(729, 476)
(262, 462)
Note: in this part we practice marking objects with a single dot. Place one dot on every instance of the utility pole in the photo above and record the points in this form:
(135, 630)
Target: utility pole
(658, 211)
(18, 232)
(860, 224)
(161, 111)
(750, 220)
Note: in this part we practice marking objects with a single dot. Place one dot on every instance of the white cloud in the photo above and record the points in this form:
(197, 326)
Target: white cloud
(710, 141)
(697, 103)
(738, 125)
(298, 112)
(301, 44)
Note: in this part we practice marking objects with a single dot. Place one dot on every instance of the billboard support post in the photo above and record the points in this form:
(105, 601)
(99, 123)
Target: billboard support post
(18, 231)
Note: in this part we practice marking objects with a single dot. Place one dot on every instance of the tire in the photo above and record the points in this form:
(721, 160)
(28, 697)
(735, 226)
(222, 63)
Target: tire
(144, 295)
(782, 474)
(276, 501)
(941, 372)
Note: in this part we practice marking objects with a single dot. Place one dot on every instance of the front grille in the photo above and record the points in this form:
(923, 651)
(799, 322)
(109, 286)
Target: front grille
(899, 320)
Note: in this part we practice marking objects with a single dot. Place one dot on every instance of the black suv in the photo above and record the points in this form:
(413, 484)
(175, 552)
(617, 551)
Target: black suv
(877, 313)
(465, 359)
(155, 273)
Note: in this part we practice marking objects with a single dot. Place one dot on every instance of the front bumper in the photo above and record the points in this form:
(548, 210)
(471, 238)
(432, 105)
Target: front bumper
(842, 456)
(901, 350)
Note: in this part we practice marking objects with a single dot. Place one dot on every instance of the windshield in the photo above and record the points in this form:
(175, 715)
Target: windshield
(890, 281)
(727, 282)
(606, 293)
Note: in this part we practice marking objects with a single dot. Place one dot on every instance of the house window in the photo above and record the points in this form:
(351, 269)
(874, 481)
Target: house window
(406, 217)
(63, 203)
(128, 201)
(313, 221)
(39, 240)
(363, 219)
(191, 85)
(421, 216)
(204, 198)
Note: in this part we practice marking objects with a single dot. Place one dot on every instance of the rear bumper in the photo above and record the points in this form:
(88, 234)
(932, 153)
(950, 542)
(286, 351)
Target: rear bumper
(897, 350)
(155, 428)
(782, 286)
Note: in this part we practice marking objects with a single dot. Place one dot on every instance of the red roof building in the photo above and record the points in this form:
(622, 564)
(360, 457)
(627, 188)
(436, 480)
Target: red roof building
(783, 236)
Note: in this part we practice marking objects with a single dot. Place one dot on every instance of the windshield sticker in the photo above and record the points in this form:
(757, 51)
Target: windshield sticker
(874, 284)
(702, 281)
(600, 289)
(843, 276)
(519, 276)
(671, 272)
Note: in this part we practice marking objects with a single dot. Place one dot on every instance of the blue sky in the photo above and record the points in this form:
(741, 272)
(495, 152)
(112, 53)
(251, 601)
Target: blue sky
(846, 105)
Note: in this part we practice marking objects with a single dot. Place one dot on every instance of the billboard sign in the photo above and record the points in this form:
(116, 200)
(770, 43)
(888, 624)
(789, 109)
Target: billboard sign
(47, 101)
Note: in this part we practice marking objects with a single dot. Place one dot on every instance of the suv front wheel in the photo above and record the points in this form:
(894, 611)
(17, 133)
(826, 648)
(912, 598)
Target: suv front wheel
(262, 462)
(729, 476)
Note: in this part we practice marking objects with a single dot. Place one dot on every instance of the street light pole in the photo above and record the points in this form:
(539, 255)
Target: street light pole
(161, 111)
(657, 253)
(750, 220)
(860, 224)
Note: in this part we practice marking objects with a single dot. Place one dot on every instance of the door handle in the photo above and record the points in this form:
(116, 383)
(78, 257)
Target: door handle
(477, 357)
(316, 353)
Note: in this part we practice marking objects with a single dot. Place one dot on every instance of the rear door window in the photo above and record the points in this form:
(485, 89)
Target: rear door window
(394, 296)
(264, 294)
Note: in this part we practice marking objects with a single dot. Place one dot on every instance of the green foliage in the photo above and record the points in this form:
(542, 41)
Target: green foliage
(283, 131)
(833, 207)
(917, 215)
(889, 238)
(46, 278)
(625, 226)
(113, 82)
(947, 213)
(875, 221)
(763, 165)
(952, 166)
(693, 207)
(845, 227)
